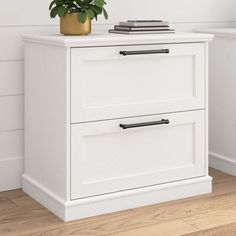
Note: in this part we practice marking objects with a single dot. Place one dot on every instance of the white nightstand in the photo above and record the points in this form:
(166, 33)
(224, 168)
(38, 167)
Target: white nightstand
(114, 122)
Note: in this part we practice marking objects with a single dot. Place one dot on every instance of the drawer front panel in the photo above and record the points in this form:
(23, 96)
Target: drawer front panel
(147, 151)
(106, 84)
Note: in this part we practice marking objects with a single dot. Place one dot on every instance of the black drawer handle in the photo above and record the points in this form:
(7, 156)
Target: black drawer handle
(137, 125)
(129, 53)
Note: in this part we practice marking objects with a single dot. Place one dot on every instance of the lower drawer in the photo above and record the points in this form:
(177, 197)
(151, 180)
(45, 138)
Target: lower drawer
(117, 155)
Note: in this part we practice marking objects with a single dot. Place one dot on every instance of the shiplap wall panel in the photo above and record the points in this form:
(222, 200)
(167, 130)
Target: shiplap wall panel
(11, 45)
(190, 26)
(15, 12)
(11, 110)
(10, 40)
(172, 10)
(11, 143)
(25, 12)
(11, 78)
(10, 173)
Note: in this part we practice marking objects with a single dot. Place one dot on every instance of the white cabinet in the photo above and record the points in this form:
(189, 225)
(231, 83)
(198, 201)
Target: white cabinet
(114, 122)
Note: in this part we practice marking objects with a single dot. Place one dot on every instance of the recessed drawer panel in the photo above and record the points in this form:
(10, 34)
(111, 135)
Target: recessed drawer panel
(117, 155)
(116, 82)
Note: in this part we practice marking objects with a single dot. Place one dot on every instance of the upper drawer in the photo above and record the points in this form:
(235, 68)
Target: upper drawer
(159, 78)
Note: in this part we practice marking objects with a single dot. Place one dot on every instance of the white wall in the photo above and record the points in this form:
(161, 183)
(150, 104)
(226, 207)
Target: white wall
(17, 17)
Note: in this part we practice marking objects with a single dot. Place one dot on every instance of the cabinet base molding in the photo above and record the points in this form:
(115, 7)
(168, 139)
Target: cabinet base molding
(97, 205)
(222, 163)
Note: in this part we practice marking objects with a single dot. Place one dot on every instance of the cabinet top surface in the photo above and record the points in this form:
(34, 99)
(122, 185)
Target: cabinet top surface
(106, 39)
(223, 32)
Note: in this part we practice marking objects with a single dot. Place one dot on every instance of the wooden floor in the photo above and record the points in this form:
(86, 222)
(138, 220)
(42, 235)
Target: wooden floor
(213, 214)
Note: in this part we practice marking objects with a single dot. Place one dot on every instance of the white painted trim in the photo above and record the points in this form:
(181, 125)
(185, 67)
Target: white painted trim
(112, 202)
(100, 39)
(222, 163)
(43, 195)
(11, 170)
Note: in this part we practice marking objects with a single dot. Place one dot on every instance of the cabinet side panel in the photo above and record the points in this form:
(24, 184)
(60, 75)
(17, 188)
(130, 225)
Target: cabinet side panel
(47, 117)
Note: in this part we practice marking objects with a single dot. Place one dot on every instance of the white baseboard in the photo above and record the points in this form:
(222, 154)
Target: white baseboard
(222, 163)
(108, 203)
(11, 170)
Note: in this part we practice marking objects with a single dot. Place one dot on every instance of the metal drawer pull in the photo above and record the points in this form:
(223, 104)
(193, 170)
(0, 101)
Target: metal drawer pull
(130, 126)
(128, 53)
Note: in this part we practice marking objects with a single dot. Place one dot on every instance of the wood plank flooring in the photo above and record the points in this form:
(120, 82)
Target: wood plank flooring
(212, 214)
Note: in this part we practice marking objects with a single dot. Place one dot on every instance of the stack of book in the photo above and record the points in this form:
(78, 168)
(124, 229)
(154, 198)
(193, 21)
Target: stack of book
(142, 27)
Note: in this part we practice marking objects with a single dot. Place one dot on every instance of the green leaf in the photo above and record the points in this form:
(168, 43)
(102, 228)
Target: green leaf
(96, 9)
(54, 12)
(79, 2)
(61, 11)
(99, 3)
(70, 3)
(105, 13)
(90, 13)
(51, 4)
(88, 1)
(83, 17)
(69, 9)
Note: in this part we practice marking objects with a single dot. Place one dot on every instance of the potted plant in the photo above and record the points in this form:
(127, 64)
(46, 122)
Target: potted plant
(76, 15)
